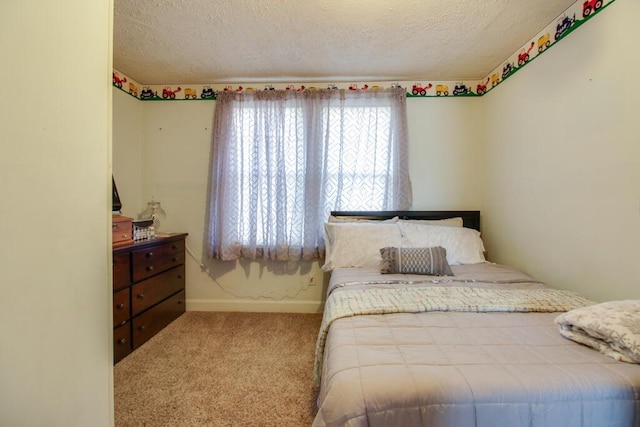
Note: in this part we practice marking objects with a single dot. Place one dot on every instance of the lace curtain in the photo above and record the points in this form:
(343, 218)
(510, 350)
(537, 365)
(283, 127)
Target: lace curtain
(282, 160)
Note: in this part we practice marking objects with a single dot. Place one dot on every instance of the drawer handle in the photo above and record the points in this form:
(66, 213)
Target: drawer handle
(120, 306)
(179, 276)
(150, 268)
(174, 247)
(141, 296)
(174, 259)
(179, 302)
(142, 328)
(149, 254)
(122, 341)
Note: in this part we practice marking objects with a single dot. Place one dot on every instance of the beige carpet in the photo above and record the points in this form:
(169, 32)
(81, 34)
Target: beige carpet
(221, 369)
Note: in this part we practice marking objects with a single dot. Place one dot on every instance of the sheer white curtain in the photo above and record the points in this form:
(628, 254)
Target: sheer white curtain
(282, 160)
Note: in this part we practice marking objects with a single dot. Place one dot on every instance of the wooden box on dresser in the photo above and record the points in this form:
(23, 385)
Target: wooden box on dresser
(148, 290)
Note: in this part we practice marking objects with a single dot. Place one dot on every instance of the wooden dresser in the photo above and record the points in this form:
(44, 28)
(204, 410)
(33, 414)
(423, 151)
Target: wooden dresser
(148, 290)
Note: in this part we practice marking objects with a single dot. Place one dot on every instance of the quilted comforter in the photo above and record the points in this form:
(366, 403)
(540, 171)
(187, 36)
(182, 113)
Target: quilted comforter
(478, 349)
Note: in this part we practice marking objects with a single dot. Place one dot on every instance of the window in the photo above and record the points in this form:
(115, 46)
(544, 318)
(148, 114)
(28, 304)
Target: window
(281, 161)
(358, 136)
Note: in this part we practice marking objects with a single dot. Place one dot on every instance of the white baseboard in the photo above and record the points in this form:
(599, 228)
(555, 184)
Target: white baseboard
(255, 306)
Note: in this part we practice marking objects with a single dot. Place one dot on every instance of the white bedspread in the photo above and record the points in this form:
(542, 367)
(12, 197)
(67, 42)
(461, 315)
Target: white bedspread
(353, 302)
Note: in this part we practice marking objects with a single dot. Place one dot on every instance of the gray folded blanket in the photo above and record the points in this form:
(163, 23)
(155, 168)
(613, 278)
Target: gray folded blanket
(612, 328)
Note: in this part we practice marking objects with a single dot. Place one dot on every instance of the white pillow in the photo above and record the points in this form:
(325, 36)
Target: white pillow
(463, 245)
(352, 219)
(358, 244)
(448, 222)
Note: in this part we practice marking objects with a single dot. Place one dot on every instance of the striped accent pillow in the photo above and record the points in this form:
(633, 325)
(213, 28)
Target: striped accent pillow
(432, 261)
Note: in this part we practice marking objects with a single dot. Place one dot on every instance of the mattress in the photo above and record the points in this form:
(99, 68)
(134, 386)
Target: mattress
(438, 364)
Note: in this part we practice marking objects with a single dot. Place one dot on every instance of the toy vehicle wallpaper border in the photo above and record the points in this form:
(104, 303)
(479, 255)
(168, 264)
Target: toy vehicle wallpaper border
(570, 20)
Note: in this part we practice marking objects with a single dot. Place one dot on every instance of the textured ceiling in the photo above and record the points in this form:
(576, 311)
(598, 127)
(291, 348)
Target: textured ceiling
(227, 41)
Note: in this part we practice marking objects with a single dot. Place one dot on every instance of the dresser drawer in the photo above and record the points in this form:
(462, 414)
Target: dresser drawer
(121, 342)
(155, 289)
(149, 262)
(174, 247)
(121, 307)
(121, 271)
(152, 321)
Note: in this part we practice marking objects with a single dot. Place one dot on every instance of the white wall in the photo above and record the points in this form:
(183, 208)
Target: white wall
(561, 183)
(445, 161)
(444, 166)
(127, 153)
(55, 318)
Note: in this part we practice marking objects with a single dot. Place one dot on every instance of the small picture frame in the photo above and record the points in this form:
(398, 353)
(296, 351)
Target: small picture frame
(117, 204)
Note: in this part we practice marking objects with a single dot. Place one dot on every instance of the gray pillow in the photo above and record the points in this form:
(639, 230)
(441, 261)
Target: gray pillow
(432, 261)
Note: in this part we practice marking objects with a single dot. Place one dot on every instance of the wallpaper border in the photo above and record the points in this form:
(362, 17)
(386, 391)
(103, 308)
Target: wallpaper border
(570, 20)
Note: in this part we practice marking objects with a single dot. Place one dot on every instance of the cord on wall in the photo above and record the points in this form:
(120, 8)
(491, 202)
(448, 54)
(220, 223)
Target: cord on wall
(264, 294)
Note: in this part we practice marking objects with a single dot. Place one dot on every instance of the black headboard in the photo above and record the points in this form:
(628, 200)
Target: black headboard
(470, 219)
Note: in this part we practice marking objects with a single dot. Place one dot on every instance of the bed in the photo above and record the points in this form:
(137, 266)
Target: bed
(480, 347)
